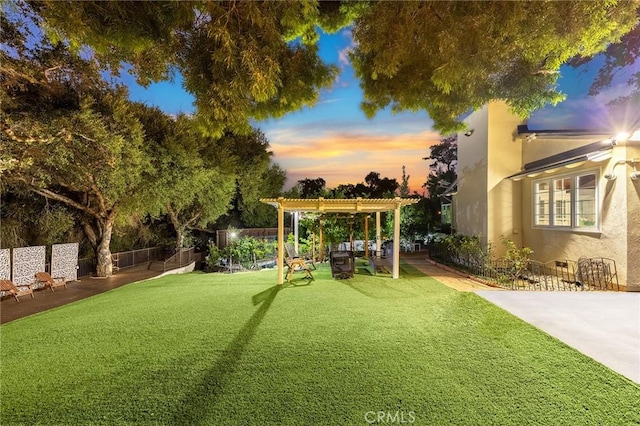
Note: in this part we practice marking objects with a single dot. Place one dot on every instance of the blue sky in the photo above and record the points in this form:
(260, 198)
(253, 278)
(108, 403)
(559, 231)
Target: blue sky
(334, 139)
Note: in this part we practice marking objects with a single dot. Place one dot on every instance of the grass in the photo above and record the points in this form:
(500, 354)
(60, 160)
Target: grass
(235, 349)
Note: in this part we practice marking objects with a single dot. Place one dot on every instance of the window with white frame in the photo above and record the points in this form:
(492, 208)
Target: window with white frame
(568, 201)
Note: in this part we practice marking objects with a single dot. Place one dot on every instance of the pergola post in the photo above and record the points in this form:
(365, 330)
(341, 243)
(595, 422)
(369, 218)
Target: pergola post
(320, 243)
(396, 242)
(280, 240)
(296, 218)
(378, 241)
(366, 236)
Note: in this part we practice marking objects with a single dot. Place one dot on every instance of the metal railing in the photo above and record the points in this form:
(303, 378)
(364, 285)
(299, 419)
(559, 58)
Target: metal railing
(129, 259)
(595, 273)
(182, 257)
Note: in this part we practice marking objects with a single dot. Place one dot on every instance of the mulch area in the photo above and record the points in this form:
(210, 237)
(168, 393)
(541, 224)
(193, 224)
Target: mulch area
(76, 290)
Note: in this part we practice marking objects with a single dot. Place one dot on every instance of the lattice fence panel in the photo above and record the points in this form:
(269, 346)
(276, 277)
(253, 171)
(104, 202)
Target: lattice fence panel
(5, 264)
(64, 261)
(26, 262)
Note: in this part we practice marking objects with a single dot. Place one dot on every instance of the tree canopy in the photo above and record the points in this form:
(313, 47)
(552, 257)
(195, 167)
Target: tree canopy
(241, 60)
(71, 137)
(449, 57)
(255, 60)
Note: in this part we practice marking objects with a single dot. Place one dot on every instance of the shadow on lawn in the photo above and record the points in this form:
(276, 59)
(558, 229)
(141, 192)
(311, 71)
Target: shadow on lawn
(195, 406)
(381, 286)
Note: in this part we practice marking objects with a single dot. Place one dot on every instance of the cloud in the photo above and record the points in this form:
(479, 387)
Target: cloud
(342, 157)
(343, 56)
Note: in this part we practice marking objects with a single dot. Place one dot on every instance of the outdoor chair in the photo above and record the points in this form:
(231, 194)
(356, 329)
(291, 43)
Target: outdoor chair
(49, 281)
(296, 263)
(8, 287)
(293, 254)
(343, 264)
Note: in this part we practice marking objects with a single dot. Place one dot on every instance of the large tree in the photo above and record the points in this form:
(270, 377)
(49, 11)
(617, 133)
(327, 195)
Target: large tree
(71, 139)
(255, 177)
(241, 60)
(195, 179)
(443, 167)
(449, 57)
(311, 188)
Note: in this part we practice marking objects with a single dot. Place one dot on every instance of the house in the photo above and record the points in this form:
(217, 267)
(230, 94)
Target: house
(563, 193)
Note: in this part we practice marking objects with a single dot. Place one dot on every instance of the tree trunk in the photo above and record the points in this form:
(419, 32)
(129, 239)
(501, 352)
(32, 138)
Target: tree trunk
(99, 234)
(179, 238)
(104, 266)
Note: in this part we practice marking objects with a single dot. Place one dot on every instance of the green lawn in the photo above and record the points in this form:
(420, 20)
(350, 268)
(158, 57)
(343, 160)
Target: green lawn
(235, 349)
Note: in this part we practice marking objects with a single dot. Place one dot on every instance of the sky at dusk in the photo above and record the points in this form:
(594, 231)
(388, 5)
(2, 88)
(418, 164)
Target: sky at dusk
(335, 141)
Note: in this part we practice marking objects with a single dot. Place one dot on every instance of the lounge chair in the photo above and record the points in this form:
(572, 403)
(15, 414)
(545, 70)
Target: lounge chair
(10, 288)
(49, 281)
(295, 263)
(293, 254)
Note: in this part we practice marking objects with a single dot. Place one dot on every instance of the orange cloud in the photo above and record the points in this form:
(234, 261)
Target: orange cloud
(348, 156)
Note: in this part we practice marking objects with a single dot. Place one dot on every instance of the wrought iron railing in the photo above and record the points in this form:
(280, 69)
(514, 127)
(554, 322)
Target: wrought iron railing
(595, 273)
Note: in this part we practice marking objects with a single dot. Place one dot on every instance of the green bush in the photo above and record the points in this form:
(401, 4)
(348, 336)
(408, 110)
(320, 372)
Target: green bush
(245, 251)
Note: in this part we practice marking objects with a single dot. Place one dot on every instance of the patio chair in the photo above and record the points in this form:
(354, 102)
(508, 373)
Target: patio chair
(293, 254)
(295, 264)
(342, 264)
(49, 281)
(22, 290)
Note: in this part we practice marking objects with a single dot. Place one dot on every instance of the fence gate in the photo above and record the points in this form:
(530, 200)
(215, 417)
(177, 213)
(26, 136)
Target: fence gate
(64, 261)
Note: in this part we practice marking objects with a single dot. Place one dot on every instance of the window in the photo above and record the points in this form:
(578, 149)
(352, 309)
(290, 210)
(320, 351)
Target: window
(446, 214)
(566, 201)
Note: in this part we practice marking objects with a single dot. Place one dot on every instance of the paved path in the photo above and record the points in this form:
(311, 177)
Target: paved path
(458, 281)
(602, 325)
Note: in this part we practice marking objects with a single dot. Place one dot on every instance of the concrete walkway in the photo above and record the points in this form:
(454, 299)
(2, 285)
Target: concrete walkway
(602, 325)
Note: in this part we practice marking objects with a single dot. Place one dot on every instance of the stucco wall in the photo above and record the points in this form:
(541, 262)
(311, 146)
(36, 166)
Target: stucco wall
(471, 200)
(504, 159)
(610, 241)
(633, 219)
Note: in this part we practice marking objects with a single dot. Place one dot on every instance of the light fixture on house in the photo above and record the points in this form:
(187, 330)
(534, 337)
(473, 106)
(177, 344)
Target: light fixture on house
(469, 132)
(610, 176)
(635, 175)
(622, 136)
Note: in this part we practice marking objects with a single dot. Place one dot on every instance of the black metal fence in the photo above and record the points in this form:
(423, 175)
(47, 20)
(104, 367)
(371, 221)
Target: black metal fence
(595, 273)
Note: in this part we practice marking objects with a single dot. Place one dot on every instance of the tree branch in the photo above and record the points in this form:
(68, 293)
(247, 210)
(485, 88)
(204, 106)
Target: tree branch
(66, 200)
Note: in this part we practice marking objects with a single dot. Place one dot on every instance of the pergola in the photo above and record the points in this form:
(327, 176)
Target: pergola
(349, 206)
